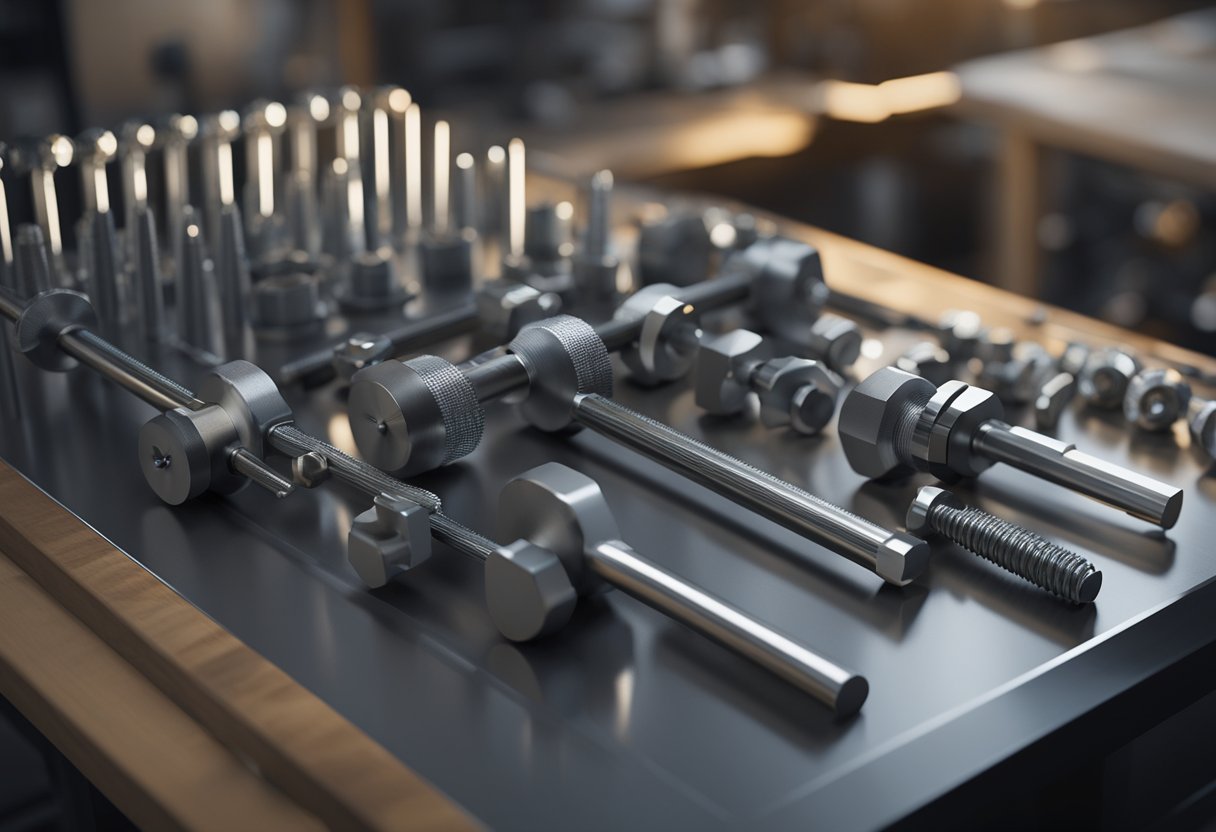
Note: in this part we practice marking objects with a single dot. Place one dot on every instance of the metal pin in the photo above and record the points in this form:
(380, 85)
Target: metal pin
(146, 263)
(516, 199)
(413, 169)
(218, 131)
(495, 176)
(341, 239)
(441, 163)
(232, 278)
(388, 112)
(182, 131)
(349, 104)
(94, 150)
(464, 205)
(32, 272)
(137, 139)
(101, 269)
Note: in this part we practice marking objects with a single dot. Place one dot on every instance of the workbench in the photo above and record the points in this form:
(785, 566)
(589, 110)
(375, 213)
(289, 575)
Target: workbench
(219, 664)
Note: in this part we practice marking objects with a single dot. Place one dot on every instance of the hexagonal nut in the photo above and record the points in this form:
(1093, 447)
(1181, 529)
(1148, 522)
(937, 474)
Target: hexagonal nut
(950, 452)
(359, 351)
(1155, 399)
(797, 392)
(1103, 382)
(927, 360)
(960, 332)
(996, 346)
(928, 496)
(722, 368)
(505, 307)
(667, 345)
(835, 341)
(675, 248)
(869, 417)
(393, 536)
(528, 593)
(787, 290)
(1201, 417)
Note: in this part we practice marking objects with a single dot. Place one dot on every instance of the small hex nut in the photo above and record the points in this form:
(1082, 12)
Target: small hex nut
(1155, 399)
(868, 420)
(797, 392)
(927, 360)
(359, 351)
(835, 341)
(723, 363)
(528, 593)
(917, 520)
(788, 290)
(674, 248)
(505, 307)
(1103, 382)
(391, 537)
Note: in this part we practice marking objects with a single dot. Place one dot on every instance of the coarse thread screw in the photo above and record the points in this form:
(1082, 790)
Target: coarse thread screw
(1009, 546)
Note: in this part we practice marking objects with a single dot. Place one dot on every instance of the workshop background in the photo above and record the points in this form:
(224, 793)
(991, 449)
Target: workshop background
(933, 128)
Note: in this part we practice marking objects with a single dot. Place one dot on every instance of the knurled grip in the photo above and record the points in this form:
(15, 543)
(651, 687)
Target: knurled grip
(463, 419)
(564, 357)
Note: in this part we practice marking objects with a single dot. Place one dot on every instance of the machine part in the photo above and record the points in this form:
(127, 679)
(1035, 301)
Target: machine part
(1074, 358)
(674, 248)
(927, 360)
(302, 214)
(1011, 547)
(358, 351)
(95, 148)
(47, 317)
(250, 398)
(40, 162)
(309, 470)
(185, 452)
(102, 267)
(835, 341)
(595, 267)
(180, 132)
(197, 303)
(145, 267)
(787, 290)
(960, 332)
(894, 423)
(341, 236)
(794, 392)
(563, 367)
(448, 262)
(504, 308)
(1053, 397)
(31, 268)
(1017, 379)
(391, 537)
(387, 113)
(1201, 419)
(547, 237)
(1156, 399)
(372, 284)
(995, 346)
(135, 140)
(531, 592)
(1104, 380)
(668, 335)
(464, 193)
(287, 307)
(232, 276)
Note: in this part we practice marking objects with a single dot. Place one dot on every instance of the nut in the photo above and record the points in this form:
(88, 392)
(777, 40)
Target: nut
(722, 369)
(1201, 416)
(359, 351)
(1103, 382)
(870, 416)
(528, 593)
(394, 535)
(927, 360)
(674, 249)
(960, 333)
(1155, 399)
(835, 341)
(787, 289)
(505, 307)
(797, 392)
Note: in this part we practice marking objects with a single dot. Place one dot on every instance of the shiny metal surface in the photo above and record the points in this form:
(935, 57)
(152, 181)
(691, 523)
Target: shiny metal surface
(842, 690)
(1060, 462)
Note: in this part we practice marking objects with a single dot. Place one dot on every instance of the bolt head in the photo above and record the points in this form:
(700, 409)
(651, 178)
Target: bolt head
(719, 382)
(788, 290)
(359, 351)
(901, 559)
(506, 307)
(674, 248)
(960, 333)
(917, 520)
(528, 593)
(868, 418)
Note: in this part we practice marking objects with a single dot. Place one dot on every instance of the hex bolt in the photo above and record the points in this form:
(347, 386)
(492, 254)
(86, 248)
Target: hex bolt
(835, 341)
(927, 360)
(416, 415)
(796, 392)
(1104, 379)
(1201, 419)
(1053, 397)
(894, 423)
(372, 284)
(1156, 399)
(1011, 547)
(532, 591)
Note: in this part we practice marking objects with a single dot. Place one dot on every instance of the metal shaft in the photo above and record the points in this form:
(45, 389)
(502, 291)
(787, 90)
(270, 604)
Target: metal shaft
(1060, 462)
(842, 690)
(855, 537)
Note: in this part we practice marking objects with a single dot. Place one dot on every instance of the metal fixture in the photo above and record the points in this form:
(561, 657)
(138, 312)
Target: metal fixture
(1156, 399)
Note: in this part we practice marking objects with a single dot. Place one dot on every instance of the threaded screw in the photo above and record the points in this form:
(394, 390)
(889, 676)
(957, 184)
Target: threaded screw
(1011, 547)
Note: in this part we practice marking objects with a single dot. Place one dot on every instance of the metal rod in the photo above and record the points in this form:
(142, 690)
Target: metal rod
(854, 537)
(842, 690)
(248, 465)
(1060, 462)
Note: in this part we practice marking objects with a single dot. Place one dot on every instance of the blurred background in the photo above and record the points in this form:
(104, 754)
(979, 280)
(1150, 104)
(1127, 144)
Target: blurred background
(1065, 149)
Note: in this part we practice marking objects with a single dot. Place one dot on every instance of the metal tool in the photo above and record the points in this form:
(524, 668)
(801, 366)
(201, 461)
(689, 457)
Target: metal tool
(894, 423)
(447, 249)
(595, 266)
(794, 392)
(417, 415)
(1011, 547)
(217, 133)
(341, 235)
(1156, 399)
(349, 147)
(531, 589)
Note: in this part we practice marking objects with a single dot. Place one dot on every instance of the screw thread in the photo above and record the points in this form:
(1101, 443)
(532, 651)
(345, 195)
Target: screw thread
(905, 426)
(1018, 550)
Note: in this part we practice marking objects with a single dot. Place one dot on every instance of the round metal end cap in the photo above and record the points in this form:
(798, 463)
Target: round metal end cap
(48, 315)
